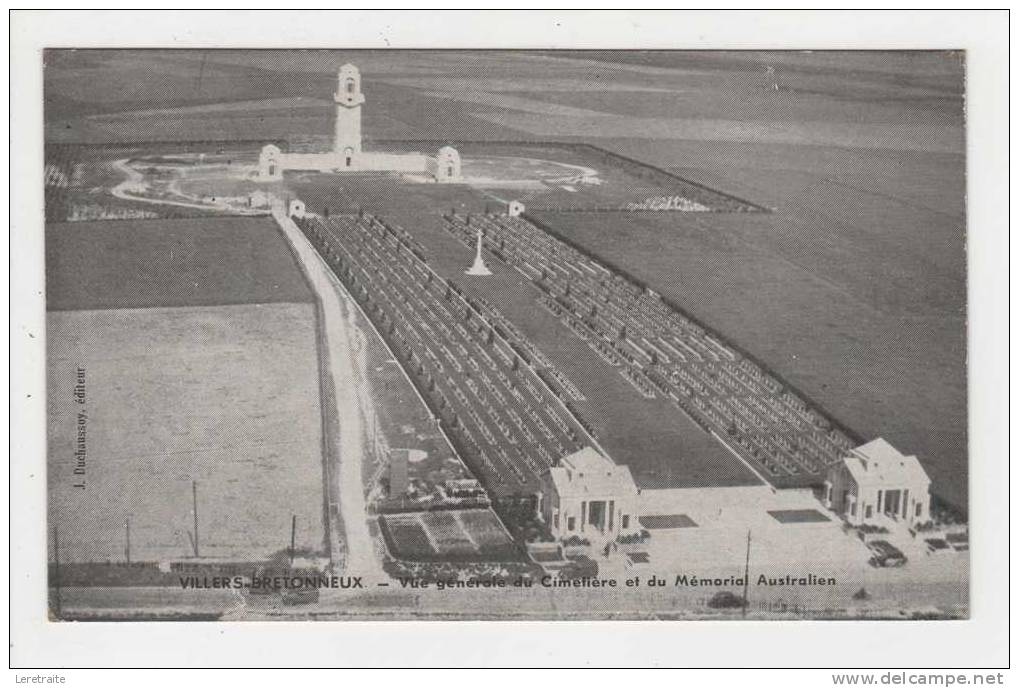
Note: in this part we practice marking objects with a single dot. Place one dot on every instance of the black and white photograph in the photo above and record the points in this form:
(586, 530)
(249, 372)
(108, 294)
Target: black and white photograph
(354, 334)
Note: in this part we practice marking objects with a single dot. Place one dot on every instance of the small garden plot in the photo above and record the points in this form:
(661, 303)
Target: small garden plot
(667, 521)
(483, 526)
(467, 536)
(548, 556)
(799, 516)
(958, 541)
(446, 533)
(637, 558)
(488, 534)
(406, 538)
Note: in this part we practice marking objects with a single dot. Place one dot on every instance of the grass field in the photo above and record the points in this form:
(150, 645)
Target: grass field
(227, 396)
(196, 262)
(879, 343)
(195, 342)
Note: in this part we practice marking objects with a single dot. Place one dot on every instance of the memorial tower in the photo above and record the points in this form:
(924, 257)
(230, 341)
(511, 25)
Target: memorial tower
(348, 98)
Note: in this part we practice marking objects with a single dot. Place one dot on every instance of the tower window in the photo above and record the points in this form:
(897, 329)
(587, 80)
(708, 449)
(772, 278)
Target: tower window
(350, 85)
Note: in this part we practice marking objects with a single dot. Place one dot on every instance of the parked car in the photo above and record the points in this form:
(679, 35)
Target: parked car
(300, 596)
(725, 600)
(579, 567)
(885, 554)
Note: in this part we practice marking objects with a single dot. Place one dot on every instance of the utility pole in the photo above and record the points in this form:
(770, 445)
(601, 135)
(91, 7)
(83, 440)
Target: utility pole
(746, 576)
(127, 539)
(293, 538)
(194, 501)
(56, 569)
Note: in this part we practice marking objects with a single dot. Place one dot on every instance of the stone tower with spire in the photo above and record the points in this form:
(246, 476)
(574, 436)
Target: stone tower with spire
(349, 99)
(347, 156)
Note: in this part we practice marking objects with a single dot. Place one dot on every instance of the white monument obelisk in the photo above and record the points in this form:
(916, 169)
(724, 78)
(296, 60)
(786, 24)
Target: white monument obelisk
(479, 268)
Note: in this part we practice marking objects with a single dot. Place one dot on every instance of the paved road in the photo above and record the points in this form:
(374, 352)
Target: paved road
(351, 395)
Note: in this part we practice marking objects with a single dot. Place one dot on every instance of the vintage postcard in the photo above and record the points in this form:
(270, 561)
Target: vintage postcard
(426, 334)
